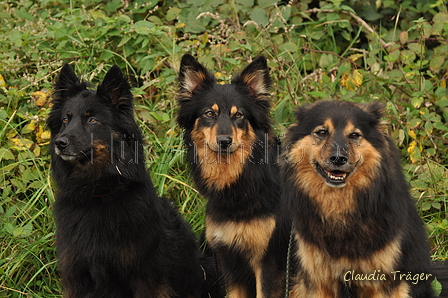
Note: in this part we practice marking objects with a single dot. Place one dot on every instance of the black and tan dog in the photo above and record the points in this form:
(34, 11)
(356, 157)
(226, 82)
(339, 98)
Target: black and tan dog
(233, 160)
(356, 231)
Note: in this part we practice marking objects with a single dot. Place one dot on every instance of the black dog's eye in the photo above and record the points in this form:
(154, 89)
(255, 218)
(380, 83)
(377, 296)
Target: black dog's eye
(93, 120)
(209, 114)
(322, 133)
(354, 136)
(238, 115)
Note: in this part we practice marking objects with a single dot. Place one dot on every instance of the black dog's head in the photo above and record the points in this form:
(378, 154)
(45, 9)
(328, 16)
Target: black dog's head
(89, 127)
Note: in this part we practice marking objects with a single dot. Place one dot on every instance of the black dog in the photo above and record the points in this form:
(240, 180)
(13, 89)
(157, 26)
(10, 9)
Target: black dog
(115, 236)
(233, 159)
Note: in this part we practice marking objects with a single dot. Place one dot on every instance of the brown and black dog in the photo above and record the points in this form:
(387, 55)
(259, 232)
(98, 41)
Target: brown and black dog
(355, 229)
(233, 160)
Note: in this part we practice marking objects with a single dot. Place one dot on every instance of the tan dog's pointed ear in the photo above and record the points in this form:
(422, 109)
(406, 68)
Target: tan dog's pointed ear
(301, 111)
(192, 76)
(376, 108)
(256, 77)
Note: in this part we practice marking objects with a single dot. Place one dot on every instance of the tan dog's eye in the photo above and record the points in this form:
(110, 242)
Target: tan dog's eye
(209, 114)
(322, 133)
(354, 136)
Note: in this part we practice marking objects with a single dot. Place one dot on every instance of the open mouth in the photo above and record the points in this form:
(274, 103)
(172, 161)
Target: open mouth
(335, 178)
(70, 156)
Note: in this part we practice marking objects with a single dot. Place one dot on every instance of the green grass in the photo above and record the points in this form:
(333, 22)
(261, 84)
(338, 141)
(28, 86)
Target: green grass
(313, 53)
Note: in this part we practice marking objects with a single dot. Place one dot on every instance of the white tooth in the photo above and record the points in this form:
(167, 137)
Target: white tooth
(342, 177)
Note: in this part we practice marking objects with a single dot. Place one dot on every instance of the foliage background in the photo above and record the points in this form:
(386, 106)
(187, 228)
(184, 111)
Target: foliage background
(391, 51)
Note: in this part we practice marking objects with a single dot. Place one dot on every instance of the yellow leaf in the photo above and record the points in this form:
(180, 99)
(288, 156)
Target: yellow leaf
(180, 25)
(412, 146)
(412, 134)
(345, 79)
(357, 78)
(21, 144)
(29, 127)
(2, 81)
(46, 135)
(11, 134)
(170, 132)
(36, 151)
(414, 152)
(443, 82)
(41, 97)
(42, 136)
(355, 57)
(353, 80)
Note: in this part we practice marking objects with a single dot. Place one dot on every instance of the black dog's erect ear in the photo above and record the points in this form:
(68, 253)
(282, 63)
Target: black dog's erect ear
(256, 77)
(301, 111)
(68, 84)
(375, 108)
(67, 77)
(115, 87)
(192, 76)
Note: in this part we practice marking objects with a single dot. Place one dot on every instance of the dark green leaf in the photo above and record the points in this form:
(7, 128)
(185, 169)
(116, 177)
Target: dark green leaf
(258, 15)
(267, 3)
(24, 15)
(172, 13)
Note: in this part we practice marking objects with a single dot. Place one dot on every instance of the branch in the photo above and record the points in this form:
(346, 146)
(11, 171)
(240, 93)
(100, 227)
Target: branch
(354, 16)
(334, 54)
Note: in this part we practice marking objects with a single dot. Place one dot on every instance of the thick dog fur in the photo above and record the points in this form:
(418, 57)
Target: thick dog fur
(233, 160)
(352, 215)
(115, 237)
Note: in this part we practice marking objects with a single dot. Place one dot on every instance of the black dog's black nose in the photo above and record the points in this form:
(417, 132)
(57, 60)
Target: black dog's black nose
(61, 142)
(338, 159)
(224, 142)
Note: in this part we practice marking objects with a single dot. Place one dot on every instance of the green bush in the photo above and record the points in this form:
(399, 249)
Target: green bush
(394, 52)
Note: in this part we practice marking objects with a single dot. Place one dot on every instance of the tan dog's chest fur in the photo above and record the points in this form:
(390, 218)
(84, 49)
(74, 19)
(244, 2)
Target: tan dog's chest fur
(249, 237)
(325, 272)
